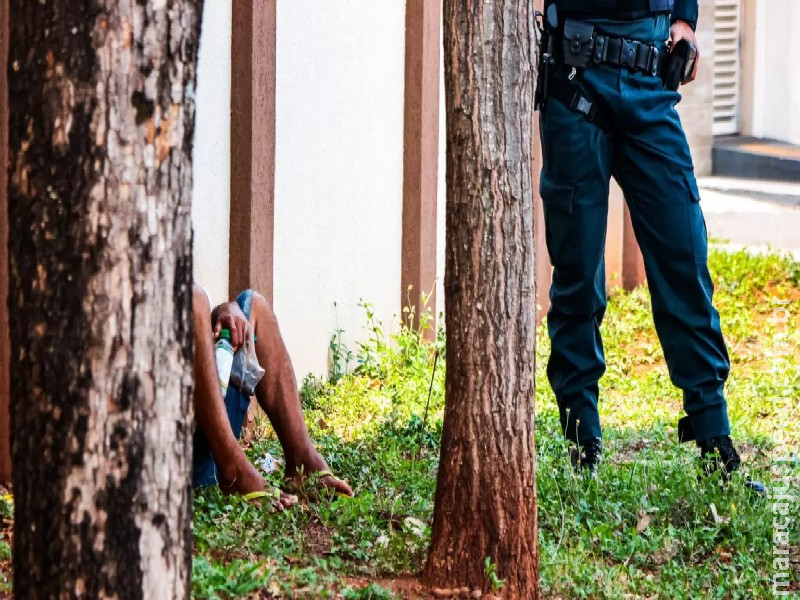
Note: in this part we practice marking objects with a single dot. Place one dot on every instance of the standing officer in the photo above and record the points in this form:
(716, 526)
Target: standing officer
(606, 111)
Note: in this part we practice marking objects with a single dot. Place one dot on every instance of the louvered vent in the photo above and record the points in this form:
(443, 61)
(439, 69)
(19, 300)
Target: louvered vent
(727, 19)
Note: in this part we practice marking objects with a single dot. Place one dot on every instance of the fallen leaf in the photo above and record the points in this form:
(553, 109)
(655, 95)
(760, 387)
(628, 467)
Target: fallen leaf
(644, 522)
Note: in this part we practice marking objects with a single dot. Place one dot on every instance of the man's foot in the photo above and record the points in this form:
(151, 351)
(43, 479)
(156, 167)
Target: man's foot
(314, 470)
(244, 479)
(718, 454)
(586, 456)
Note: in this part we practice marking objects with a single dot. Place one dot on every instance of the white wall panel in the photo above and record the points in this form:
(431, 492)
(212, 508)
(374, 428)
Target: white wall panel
(338, 170)
(212, 169)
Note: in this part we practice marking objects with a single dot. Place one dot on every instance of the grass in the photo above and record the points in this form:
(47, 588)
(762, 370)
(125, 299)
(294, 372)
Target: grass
(645, 528)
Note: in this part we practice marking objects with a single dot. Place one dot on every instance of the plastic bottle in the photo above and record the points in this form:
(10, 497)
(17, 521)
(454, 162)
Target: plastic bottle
(224, 354)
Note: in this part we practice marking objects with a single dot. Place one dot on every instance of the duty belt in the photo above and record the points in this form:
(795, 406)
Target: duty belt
(580, 47)
(630, 54)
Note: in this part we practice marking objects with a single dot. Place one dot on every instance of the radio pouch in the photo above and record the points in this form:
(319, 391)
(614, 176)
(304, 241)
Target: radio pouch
(578, 44)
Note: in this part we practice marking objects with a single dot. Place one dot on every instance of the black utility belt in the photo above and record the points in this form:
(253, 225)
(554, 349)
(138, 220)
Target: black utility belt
(581, 47)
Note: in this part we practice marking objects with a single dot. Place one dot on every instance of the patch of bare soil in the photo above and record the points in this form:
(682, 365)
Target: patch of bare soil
(317, 539)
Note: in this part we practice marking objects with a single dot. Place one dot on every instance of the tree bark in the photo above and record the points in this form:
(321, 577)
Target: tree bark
(5, 431)
(101, 119)
(486, 494)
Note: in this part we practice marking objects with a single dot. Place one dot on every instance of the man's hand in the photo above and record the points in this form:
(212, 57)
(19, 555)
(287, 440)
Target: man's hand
(230, 316)
(681, 30)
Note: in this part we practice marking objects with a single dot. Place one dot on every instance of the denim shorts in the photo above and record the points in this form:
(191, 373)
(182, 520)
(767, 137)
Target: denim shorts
(204, 467)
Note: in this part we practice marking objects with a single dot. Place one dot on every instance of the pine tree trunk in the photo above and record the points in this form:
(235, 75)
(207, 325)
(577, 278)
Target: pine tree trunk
(101, 118)
(486, 493)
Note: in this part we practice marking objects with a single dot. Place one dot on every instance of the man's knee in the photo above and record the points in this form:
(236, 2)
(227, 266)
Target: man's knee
(200, 302)
(260, 304)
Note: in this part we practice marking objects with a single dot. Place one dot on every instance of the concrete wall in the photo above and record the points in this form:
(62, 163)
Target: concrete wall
(211, 199)
(338, 170)
(771, 77)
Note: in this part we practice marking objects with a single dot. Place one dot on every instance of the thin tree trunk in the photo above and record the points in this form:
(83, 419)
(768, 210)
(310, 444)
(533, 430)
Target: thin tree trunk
(486, 494)
(101, 118)
(5, 430)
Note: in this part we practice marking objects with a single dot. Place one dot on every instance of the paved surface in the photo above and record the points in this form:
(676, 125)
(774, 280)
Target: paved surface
(758, 215)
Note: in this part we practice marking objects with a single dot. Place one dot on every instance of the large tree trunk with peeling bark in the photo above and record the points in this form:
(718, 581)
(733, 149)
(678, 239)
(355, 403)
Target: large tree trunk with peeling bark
(101, 118)
(486, 492)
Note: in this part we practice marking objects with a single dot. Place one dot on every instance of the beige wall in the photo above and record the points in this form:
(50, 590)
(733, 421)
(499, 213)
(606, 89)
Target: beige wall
(695, 108)
(770, 74)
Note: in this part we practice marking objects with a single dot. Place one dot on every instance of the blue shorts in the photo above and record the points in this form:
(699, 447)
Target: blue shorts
(204, 467)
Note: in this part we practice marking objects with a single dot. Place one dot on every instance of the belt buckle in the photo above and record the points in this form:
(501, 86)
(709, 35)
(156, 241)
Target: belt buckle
(627, 57)
(654, 53)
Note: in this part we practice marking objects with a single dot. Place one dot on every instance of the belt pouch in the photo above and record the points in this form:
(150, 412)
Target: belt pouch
(578, 44)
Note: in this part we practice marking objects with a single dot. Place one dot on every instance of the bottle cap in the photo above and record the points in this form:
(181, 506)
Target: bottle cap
(225, 334)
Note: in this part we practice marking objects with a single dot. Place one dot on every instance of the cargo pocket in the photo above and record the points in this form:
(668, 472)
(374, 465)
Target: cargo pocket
(697, 223)
(563, 230)
(691, 183)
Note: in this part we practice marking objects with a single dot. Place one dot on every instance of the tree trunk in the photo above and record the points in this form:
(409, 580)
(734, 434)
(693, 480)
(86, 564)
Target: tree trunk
(101, 118)
(5, 430)
(486, 494)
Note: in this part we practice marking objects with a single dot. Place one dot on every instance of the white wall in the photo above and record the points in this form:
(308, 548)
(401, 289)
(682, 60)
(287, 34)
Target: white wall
(776, 102)
(338, 170)
(211, 199)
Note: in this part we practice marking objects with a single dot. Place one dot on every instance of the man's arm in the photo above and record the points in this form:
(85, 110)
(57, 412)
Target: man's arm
(686, 11)
(684, 22)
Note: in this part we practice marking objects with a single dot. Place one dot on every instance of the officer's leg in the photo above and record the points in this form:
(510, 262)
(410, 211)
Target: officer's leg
(574, 188)
(654, 167)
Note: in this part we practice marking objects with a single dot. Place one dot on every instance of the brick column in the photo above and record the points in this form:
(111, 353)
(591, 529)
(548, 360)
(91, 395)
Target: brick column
(252, 146)
(632, 262)
(420, 153)
(615, 247)
(544, 270)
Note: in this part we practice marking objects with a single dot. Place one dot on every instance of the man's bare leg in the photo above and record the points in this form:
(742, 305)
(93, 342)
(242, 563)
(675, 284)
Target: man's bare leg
(277, 394)
(236, 474)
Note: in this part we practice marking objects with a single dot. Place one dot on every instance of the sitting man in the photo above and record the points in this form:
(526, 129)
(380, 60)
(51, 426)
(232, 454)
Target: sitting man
(218, 458)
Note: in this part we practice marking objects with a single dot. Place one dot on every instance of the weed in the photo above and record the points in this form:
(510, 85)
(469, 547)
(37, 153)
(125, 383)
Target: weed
(490, 572)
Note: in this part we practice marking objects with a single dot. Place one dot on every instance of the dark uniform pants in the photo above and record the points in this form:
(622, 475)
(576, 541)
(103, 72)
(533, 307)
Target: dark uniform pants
(648, 155)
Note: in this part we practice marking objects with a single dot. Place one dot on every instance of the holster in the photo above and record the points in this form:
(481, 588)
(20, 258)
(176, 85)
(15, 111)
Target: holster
(546, 66)
(680, 65)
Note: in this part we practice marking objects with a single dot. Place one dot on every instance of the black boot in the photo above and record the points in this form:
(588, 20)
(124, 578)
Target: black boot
(718, 454)
(587, 455)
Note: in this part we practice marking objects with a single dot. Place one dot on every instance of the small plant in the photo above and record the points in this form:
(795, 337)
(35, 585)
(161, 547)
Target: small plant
(6, 506)
(311, 388)
(5, 550)
(372, 592)
(340, 355)
(233, 580)
(490, 572)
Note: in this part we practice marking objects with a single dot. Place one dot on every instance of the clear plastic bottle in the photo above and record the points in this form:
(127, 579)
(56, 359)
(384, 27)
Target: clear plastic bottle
(223, 351)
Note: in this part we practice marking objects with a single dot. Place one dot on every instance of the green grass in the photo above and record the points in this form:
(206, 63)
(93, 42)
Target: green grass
(370, 424)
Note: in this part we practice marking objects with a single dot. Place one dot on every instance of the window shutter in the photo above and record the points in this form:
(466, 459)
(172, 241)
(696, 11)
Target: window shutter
(727, 20)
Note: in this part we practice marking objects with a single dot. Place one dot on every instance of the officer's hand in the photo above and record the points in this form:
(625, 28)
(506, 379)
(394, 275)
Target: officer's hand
(681, 30)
